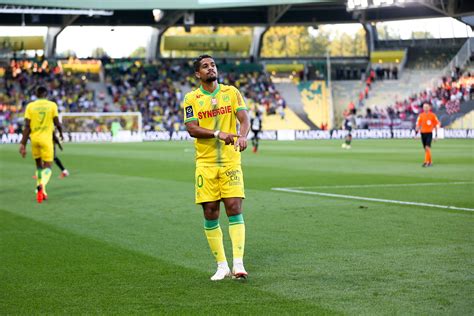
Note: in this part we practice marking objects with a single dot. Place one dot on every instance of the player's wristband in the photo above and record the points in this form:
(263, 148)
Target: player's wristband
(216, 133)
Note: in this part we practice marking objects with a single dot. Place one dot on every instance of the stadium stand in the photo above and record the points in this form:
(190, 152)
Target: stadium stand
(156, 89)
(451, 99)
(70, 90)
(262, 95)
(430, 57)
(149, 89)
(464, 122)
(411, 81)
(314, 95)
(295, 104)
(344, 93)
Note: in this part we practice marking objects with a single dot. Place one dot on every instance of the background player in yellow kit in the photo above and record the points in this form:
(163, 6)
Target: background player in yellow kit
(40, 118)
(211, 113)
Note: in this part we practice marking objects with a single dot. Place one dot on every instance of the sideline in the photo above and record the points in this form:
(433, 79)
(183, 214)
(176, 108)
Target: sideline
(361, 198)
(380, 185)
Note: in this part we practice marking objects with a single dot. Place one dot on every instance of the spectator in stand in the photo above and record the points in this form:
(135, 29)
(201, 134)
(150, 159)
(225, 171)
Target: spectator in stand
(361, 99)
(446, 96)
(68, 90)
(351, 105)
(395, 72)
(368, 82)
(372, 74)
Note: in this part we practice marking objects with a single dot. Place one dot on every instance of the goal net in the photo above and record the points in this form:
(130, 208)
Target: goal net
(98, 126)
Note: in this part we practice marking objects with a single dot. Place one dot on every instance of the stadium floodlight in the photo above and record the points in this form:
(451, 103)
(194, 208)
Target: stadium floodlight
(158, 14)
(350, 5)
(37, 10)
(357, 5)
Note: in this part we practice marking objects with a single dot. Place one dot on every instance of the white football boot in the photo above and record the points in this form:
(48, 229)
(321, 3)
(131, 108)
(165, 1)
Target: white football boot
(238, 270)
(223, 271)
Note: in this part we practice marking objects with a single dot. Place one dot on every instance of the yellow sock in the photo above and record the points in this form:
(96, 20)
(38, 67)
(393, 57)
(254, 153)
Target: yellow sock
(237, 235)
(45, 176)
(215, 238)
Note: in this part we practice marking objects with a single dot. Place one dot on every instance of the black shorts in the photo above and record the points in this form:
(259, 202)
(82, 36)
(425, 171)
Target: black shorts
(426, 139)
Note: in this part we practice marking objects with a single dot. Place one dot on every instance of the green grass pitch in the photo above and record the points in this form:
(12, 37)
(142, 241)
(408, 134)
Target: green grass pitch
(122, 234)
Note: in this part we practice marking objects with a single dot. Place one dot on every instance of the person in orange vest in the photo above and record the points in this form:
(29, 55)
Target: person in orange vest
(426, 123)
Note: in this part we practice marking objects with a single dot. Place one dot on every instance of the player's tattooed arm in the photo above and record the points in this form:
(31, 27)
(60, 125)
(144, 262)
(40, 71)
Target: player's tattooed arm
(243, 117)
(197, 131)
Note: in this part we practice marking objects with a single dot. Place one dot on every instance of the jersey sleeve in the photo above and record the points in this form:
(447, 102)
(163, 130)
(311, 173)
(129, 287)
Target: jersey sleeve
(240, 102)
(437, 122)
(189, 112)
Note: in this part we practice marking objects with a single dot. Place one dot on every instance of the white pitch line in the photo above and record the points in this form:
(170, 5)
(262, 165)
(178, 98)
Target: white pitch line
(361, 198)
(380, 185)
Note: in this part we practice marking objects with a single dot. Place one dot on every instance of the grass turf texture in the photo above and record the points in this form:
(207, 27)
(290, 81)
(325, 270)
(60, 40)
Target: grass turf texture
(122, 235)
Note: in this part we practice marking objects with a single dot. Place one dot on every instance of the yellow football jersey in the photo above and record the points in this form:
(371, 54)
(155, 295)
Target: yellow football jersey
(41, 113)
(214, 111)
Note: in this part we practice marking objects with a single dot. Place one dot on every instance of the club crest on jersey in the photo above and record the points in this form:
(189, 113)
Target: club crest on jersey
(189, 112)
(225, 98)
(201, 103)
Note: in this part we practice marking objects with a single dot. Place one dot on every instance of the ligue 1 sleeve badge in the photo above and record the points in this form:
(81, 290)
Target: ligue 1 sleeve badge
(189, 112)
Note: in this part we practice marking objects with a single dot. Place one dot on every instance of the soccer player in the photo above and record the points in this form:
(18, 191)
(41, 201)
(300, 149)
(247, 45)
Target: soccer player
(64, 172)
(426, 123)
(256, 124)
(348, 124)
(40, 118)
(211, 114)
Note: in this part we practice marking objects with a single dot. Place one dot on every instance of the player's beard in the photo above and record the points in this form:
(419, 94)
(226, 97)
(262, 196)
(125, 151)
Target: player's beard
(211, 78)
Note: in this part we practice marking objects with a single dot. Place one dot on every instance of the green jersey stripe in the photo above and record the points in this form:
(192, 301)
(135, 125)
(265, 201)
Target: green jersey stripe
(190, 119)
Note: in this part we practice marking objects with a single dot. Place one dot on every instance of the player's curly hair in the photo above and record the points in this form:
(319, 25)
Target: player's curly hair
(197, 61)
(41, 92)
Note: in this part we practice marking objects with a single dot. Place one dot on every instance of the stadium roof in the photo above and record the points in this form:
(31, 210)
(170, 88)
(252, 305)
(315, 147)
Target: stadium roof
(225, 12)
(155, 4)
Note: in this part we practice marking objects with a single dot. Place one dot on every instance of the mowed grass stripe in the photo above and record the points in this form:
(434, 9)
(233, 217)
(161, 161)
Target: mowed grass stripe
(47, 270)
(359, 258)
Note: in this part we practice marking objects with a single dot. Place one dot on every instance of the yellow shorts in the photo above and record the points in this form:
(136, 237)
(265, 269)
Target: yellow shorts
(215, 183)
(43, 149)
